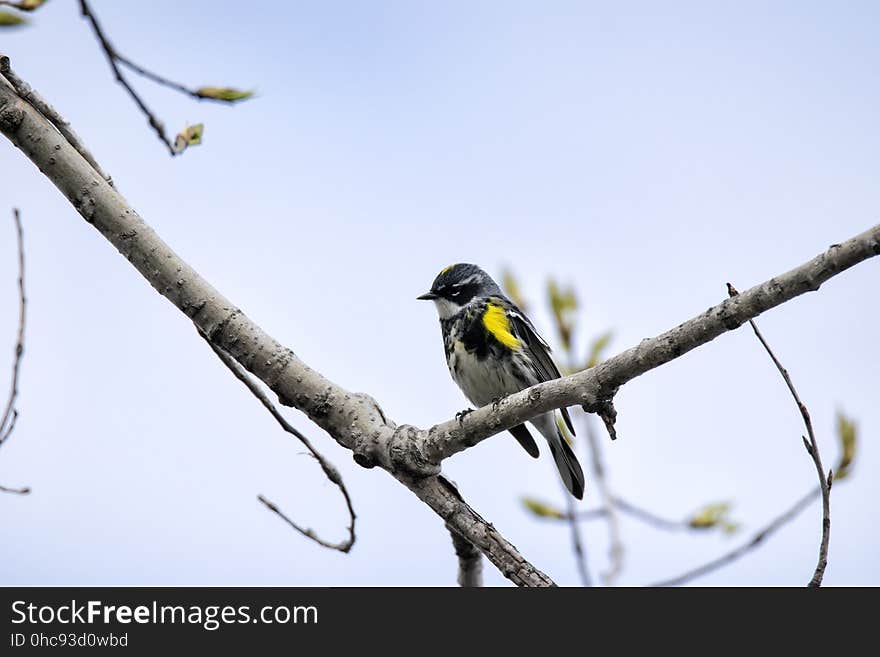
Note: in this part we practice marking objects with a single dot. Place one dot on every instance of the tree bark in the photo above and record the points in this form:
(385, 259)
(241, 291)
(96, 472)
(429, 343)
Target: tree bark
(355, 420)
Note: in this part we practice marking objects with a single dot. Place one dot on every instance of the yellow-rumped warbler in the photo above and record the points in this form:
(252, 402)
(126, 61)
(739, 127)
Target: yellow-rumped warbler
(493, 350)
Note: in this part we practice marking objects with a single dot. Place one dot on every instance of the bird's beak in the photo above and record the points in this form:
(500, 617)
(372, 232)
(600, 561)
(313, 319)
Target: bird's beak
(427, 296)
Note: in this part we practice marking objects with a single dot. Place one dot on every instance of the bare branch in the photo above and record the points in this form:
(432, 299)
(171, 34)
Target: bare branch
(10, 413)
(643, 515)
(7, 423)
(609, 502)
(592, 388)
(198, 94)
(355, 420)
(577, 543)
(470, 563)
(115, 59)
(812, 450)
(343, 546)
(746, 547)
(652, 519)
(112, 59)
(329, 469)
(34, 98)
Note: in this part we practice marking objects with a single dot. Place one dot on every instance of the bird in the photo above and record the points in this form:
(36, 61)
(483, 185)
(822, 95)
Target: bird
(493, 350)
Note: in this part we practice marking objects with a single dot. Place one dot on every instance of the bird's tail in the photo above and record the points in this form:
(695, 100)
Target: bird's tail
(566, 462)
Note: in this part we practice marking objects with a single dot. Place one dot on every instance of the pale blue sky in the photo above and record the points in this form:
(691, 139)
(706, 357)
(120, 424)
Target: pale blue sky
(646, 153)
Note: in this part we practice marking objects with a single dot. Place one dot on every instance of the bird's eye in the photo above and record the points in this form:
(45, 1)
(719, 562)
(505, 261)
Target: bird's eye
(457, 293)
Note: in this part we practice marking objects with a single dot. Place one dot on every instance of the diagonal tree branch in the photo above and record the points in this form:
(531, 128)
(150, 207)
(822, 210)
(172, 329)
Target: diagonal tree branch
(812, 449)
(355, 420)
(593, 387)
(34, 98)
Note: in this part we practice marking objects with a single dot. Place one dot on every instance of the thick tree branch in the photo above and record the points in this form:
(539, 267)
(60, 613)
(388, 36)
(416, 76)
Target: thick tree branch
(353, 419)
(34, 98)
(594, 387)
(812, 450)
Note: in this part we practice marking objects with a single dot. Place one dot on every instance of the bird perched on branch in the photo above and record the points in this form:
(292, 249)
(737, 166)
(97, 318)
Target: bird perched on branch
(493, 350)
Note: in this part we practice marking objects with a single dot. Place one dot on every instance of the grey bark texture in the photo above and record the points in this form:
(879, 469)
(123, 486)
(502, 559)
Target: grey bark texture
(595, 387)
(411, 455)
(470, 561)
(353, 419)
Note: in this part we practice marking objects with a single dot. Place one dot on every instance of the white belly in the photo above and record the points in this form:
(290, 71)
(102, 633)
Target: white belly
(480, 382)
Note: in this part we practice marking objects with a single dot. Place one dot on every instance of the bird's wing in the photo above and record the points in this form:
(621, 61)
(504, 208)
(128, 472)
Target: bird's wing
(538, 350)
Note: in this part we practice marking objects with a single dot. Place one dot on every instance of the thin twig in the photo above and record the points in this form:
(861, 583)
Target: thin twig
(812, 449)
(115, 59)
(7, 424)
(645, 516)
(746, 547)
(577, 543)
(165, 82)
(470, 560)
(650, 518)
(15, 491)
(28, 93)
(10, 414)
(112, 58)
(18, 4)
(328, 468)
(615, 547)
(637, 512)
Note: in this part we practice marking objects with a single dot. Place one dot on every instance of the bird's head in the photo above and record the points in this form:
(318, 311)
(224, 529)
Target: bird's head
(457, 285)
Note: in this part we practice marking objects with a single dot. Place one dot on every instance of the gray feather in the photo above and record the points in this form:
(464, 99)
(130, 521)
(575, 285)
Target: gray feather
(521, 433)
(539, 352)
(566, 462)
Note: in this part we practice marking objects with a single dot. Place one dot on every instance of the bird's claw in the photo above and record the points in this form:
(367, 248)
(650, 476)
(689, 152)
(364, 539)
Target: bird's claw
(495, 403)
(460, 415)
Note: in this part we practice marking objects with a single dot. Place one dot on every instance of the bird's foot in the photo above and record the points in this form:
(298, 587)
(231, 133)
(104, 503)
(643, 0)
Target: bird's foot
(460, 415)
(495, 403)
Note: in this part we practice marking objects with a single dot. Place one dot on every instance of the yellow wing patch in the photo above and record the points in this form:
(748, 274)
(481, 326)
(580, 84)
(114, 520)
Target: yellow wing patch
(497, 323)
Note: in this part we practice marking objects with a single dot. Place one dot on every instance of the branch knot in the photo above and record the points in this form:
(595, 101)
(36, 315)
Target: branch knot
(405, 452)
